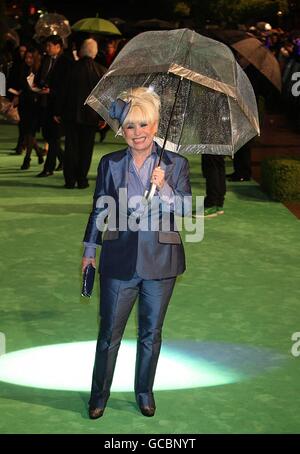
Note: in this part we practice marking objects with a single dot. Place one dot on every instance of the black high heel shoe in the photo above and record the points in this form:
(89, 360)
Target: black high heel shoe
(95, 413)
(147, 411)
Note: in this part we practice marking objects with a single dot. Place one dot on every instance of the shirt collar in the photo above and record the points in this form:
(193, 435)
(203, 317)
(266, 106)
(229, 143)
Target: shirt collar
(154, 151)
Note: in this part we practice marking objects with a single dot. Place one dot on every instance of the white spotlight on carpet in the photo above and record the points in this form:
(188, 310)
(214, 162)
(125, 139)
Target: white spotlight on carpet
(69, 367)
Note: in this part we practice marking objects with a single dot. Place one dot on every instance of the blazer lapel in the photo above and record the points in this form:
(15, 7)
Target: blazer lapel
(119, 171)
(119, 168)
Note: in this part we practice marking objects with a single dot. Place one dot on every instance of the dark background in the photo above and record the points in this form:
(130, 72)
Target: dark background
(225, 12)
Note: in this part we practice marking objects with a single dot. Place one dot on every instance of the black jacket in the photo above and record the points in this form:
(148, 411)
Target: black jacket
(56, 79)
(84, 77)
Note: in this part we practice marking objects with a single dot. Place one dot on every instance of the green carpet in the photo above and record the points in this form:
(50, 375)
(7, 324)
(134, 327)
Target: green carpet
(241, 288)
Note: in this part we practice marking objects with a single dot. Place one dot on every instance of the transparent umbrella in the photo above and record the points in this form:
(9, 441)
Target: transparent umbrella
(52, 24)
(12, 35)
(207, 102)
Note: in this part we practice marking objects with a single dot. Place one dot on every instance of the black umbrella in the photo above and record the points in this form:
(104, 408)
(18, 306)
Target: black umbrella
(252, 51)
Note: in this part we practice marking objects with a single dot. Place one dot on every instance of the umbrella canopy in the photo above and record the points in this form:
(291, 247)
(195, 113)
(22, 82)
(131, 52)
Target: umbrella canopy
(253, 51)
(96, 25)
(212, 102)
(229, 36)
(259, 56)
(52, 24)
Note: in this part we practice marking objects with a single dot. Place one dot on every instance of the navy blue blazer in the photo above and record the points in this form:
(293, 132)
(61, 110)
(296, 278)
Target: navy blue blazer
(152, 254)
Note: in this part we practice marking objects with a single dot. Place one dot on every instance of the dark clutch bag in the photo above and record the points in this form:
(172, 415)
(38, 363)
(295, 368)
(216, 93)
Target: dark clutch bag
(88, 281)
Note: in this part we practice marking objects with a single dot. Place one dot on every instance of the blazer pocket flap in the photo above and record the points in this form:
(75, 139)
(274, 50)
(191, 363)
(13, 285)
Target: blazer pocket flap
(110, 235)
(169, 237)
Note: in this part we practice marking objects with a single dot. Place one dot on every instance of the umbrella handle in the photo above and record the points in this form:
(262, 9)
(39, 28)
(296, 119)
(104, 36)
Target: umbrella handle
(148, 196)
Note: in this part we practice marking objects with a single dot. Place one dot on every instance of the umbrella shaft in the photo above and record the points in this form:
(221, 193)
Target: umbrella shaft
(170, 120)
(149, 195)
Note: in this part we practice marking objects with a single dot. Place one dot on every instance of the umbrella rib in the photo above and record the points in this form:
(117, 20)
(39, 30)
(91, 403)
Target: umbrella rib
(179, 42)
(169, 124)
(181, 131)
(203, 80)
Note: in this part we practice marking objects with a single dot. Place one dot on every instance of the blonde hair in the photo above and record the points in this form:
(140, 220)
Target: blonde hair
(145, 105)
(89, 48)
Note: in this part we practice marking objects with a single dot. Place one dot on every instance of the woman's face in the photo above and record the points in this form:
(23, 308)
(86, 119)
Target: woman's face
(139, 136)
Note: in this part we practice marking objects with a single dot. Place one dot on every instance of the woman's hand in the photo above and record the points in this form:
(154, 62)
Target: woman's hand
(86, 261)
(158, 177)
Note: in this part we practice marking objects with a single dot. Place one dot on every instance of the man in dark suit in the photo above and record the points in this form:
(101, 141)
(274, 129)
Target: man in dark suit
(52, 78)
(135, 261)
(80, 120)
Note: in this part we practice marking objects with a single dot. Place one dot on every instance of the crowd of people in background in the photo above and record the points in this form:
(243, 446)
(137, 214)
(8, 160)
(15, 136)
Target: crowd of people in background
(49, 83)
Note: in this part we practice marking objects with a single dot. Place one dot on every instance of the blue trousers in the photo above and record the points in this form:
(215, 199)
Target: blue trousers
(116, 301)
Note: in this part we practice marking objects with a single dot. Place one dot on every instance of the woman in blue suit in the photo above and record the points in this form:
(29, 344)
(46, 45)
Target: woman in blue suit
(135, 262)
